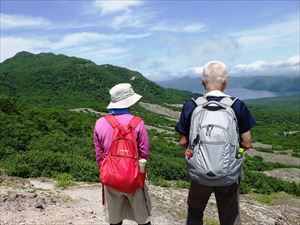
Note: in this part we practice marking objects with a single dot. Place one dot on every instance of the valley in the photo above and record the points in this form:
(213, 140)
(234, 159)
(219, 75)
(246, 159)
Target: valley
(48, 107)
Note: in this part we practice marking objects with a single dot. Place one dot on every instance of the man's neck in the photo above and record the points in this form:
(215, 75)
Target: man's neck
(213, 88)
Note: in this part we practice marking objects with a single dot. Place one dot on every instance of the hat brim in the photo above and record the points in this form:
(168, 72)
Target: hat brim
(125, 103)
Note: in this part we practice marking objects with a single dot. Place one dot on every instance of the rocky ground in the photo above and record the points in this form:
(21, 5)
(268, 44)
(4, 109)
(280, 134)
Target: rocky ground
(41, 202)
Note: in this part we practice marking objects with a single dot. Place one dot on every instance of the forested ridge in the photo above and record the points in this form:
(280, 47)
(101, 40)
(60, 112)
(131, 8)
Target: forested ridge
(41, 137)
(62, 81)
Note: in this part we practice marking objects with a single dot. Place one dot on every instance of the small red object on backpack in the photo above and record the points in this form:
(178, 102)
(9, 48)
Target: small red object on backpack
(188, 153)
(120, 169)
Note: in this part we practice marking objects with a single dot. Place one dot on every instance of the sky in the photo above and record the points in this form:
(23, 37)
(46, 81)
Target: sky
(161, 39)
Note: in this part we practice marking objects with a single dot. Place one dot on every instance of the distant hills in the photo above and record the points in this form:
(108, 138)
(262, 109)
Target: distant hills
(259, 83)
(59, 80)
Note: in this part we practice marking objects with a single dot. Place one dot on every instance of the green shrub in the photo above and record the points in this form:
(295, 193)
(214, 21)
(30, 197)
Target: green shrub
(64, 179)
(47, 142)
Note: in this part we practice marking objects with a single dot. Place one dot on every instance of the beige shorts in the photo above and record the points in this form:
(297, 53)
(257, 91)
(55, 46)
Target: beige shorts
(120, 206)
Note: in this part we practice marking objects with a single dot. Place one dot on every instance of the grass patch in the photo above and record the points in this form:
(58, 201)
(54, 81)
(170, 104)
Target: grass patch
(158, 181)
(296, 154)
(268, 150)
(64, 180)
(272, 199)
(208, 220)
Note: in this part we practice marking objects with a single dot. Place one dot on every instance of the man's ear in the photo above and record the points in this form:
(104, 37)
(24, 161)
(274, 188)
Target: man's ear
(202, 82)
(226, 80)
(224, 83)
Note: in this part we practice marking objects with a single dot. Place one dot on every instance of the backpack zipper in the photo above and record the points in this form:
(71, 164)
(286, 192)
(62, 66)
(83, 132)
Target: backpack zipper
(213, 142)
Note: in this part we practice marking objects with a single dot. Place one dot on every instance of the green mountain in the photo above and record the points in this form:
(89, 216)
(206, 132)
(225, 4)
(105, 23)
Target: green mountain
(59, 80)
(291, 84)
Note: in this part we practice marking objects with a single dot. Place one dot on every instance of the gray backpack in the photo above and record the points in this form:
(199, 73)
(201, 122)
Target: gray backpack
(214, 141)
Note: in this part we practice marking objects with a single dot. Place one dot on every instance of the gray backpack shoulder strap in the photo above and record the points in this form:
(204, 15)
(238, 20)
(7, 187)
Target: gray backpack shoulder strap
(228, 101)
(200, 100)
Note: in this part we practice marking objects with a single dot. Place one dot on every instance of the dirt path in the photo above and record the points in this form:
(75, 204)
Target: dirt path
(161, 110)
(40, 202)
(288, 174)
(88, 110)
(160, 130)
(272, 157)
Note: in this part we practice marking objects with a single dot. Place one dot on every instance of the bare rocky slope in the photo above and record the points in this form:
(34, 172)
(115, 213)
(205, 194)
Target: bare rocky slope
(41, 202)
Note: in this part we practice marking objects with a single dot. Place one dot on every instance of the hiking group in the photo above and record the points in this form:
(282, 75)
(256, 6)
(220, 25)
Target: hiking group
(214, 130)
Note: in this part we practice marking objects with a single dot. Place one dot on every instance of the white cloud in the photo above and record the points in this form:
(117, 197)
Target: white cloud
(185, 28)
(103, 54)
(19, 21)
(128, 19)
(224, 48)
(254, 66)
(276, 34)
(77, 44)
(290, 66)
(197, 70)
(106, 54)
(293, 60)
(76, 39)
(113, 6)
(193, 72)
(9, 46)
(82, 38)
(193, 28)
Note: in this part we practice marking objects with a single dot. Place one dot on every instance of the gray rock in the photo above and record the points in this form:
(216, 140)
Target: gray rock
(39, 206)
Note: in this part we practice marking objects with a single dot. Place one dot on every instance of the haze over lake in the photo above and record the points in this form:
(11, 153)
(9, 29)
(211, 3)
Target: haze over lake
(244, 94)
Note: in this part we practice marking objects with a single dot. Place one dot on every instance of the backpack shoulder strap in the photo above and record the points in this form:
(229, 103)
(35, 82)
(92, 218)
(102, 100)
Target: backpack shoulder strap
(134, 122)
(200, 100)
(112, 121)
(228, 101)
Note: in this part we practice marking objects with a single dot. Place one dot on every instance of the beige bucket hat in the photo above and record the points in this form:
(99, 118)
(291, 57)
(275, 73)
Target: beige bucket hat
(122, 96)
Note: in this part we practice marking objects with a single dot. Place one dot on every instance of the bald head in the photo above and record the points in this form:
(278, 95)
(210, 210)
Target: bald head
(214, 72)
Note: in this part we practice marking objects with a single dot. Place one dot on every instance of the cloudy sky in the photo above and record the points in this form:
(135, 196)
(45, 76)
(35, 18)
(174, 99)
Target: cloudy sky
(160, 39)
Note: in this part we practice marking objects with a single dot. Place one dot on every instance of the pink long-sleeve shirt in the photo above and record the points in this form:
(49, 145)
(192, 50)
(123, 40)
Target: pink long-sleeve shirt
(103, 133)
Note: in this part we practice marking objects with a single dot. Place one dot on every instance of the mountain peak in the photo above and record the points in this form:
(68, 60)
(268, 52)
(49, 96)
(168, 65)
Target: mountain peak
(60, 80)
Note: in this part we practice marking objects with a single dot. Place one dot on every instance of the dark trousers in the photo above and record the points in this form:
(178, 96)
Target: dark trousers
(149, 223)
(227, 202)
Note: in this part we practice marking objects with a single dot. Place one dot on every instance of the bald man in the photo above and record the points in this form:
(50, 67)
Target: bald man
(214, 80)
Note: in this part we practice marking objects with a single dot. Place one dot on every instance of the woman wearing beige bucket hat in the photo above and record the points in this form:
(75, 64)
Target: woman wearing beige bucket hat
(122, 96)
(120, 205)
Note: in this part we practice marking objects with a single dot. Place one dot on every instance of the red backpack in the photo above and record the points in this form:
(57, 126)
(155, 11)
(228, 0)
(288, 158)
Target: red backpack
(120, 169)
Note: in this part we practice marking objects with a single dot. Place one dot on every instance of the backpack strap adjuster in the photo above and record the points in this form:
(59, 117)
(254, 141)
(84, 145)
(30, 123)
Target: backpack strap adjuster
(134, 122)
(200, 101)
(228, 101)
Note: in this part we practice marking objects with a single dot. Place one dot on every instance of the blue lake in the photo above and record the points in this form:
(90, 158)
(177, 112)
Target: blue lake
(244, 94)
